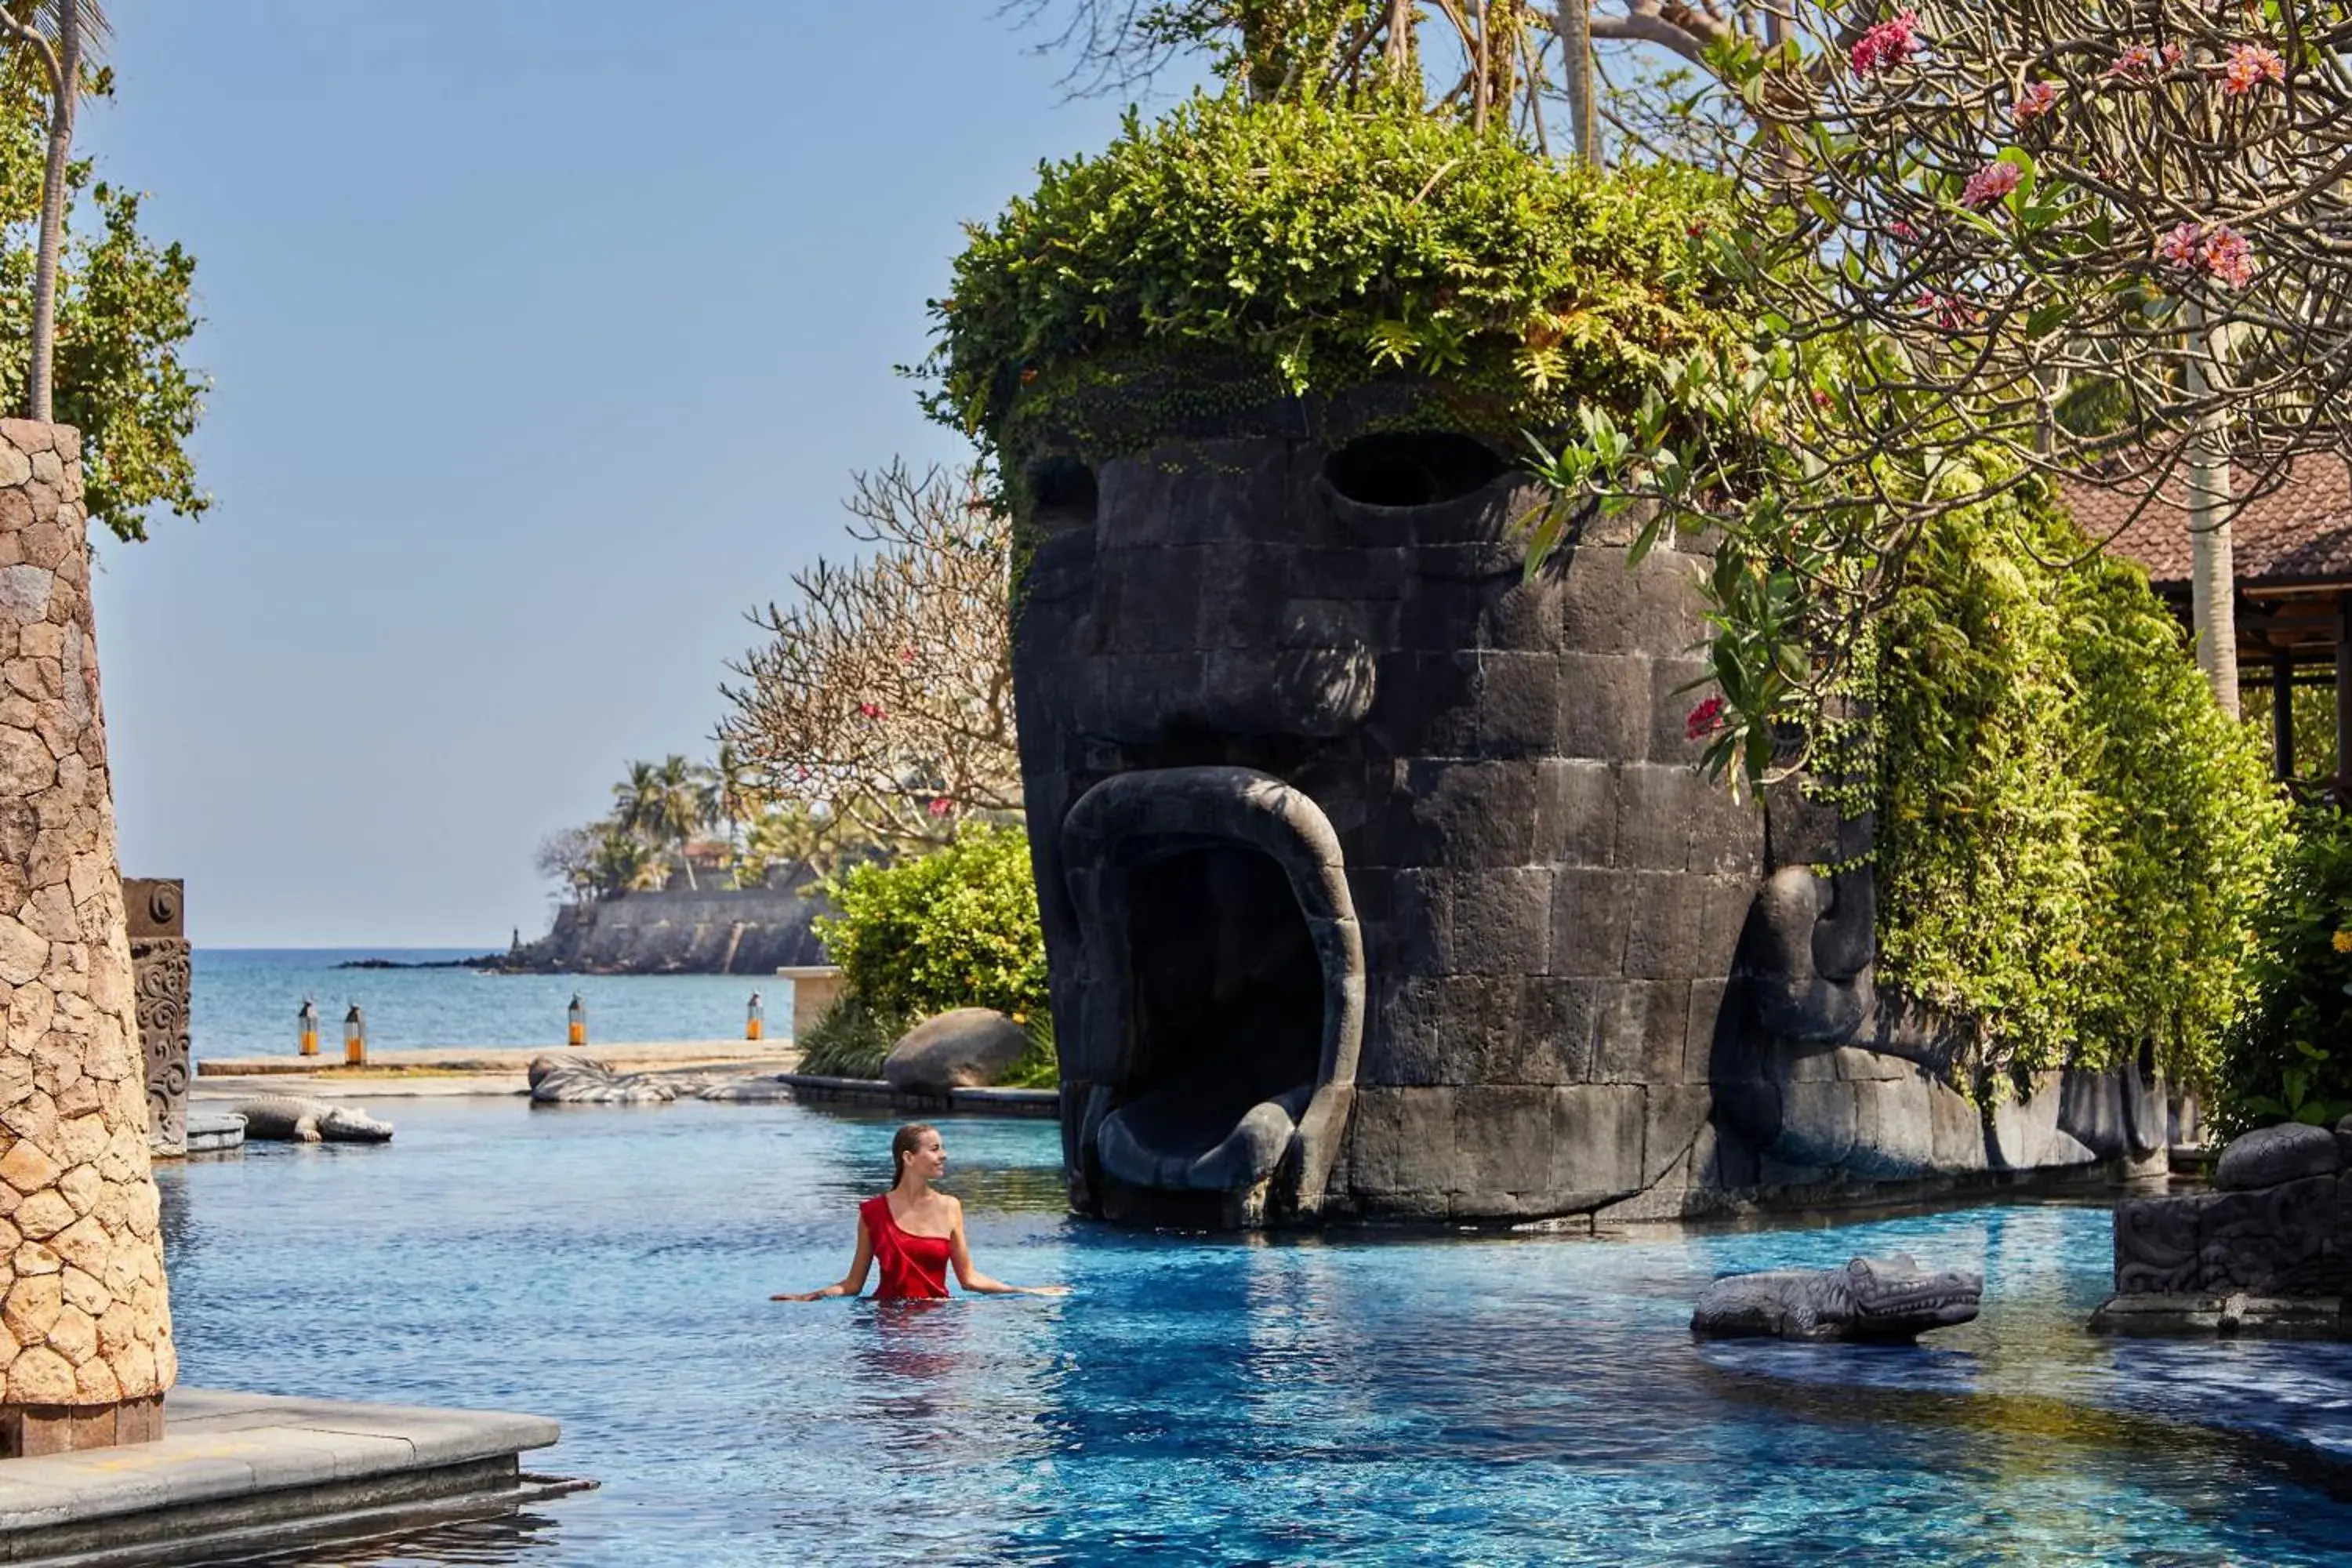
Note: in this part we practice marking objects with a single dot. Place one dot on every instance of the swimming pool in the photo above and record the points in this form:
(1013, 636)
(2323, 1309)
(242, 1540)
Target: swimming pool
(1362, 1397)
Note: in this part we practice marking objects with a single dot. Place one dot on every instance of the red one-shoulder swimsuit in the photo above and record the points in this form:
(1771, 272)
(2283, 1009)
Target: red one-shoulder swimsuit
(911, 1264)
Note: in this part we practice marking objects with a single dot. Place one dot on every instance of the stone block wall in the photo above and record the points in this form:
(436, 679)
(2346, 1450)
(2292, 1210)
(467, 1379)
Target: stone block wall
(1296, 647)
(85, 1325)
(1552, 910)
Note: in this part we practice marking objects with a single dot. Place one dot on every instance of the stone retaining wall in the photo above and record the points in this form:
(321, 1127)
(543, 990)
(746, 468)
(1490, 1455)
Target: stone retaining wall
(716, 931)
(85, 1326)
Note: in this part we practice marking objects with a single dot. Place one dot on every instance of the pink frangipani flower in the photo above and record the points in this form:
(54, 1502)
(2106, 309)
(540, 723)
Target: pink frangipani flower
(2229, 257)
(2249, 66)
(1886, 45)
(2140, 63)
(1947, 313)
(1705, 720)
(2215, 249)
(2038, 99)
(1991, 185)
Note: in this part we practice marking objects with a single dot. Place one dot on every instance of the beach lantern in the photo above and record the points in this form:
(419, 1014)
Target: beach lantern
(754, 1021)
(579, 1016)
(354, 1038)
(307, 1018)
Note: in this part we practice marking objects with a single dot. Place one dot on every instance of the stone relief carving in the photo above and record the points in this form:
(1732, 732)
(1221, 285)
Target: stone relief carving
(162, 978)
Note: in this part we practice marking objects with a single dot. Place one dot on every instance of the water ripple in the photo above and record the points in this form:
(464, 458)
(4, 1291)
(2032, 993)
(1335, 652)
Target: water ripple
(1364, 1397)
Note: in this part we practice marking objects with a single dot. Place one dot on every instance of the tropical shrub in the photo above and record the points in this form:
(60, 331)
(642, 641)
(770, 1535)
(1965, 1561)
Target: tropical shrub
(2072, 838)
(1040, 1066)
(848, 1039)
(1311, 247)
(2290, 1057)
(955, 928)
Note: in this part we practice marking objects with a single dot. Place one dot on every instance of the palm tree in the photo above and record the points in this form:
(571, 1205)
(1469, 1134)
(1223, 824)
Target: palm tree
(624, 862)
(73, 25)
(793, 832)
(676, 809)
(663, 804)
(633, 799)
(728, 795)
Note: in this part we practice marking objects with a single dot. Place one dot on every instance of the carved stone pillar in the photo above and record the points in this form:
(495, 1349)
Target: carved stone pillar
(85, 1324)
(159, 965)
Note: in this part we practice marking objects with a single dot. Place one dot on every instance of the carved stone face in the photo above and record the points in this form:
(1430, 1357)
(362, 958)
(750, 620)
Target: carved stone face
(1376, 878)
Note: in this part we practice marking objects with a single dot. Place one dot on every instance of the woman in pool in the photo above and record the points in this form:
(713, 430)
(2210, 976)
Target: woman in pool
(915, 1232)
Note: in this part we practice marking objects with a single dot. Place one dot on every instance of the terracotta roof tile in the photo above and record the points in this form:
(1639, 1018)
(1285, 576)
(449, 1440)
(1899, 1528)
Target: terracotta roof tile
(2300, 532)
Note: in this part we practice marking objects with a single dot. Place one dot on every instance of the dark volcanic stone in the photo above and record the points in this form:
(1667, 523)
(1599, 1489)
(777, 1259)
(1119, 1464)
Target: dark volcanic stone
(1328, 794)
(2270, 1155)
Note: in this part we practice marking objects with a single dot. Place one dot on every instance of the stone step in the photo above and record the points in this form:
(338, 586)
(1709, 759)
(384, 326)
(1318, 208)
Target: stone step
(235, 1474)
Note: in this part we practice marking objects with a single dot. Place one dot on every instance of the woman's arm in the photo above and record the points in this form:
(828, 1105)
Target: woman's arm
(978, 1284)
(849, 1284)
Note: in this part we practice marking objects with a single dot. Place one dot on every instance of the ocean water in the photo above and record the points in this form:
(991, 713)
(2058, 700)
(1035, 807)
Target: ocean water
(1360, 1397)
(242, 1003)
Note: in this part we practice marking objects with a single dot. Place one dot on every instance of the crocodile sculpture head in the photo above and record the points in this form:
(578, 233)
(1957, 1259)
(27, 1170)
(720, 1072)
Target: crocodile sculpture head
(1869, 1298)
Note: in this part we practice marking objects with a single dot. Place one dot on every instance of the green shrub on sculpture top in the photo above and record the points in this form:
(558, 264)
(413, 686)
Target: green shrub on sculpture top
(1298, 247)
(955, 928)
(2290, 1057)
(2072, 839)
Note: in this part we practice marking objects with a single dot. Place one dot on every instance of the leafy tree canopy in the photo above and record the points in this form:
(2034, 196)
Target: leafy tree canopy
(124, 318)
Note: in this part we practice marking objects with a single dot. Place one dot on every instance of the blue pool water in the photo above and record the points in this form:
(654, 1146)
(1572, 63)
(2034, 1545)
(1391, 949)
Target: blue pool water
(243, 1001)
(1364, 1397)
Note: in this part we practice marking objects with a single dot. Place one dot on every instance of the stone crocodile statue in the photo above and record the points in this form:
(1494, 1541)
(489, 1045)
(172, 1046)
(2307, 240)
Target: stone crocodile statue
(286, 1118)
(1869, 1298)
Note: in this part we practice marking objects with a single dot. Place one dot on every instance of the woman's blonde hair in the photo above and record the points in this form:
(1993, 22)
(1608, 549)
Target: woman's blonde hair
(903, 1142)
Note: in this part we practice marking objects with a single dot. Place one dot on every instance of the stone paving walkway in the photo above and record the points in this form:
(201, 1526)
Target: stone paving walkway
(463, 1069)
(237, 1473)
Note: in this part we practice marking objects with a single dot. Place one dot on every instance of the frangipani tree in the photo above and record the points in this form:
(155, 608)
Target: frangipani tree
(1991, 240)
(884, 694)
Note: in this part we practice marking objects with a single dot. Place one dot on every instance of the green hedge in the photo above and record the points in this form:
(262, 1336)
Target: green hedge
(1315, 247)
(2289, 1058)
(955, 928)
(2072, 837)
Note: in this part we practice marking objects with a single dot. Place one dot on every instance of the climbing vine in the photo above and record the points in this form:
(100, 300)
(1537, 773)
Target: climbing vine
(2071, 840)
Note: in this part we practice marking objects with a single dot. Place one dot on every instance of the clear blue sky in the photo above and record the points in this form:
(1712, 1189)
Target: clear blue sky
(544, 337)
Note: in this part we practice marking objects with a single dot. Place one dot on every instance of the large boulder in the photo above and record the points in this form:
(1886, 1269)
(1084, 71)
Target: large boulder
(969, 1047)
(2270, 1155)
